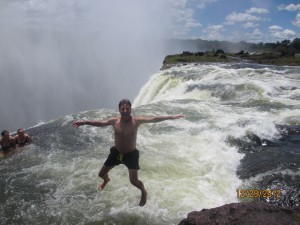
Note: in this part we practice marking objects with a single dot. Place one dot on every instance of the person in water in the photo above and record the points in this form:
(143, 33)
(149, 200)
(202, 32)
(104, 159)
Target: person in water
(125, 131)
(7, 141)
(22, 138)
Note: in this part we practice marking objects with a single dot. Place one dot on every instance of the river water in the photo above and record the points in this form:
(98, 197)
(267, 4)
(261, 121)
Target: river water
(241, 130)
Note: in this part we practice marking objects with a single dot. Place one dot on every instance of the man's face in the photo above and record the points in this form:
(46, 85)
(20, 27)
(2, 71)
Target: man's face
(6, 134)
(125, 110)
(21, 132)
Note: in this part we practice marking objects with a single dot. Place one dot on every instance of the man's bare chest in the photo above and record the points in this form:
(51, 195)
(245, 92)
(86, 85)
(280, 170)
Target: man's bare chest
(126, 129)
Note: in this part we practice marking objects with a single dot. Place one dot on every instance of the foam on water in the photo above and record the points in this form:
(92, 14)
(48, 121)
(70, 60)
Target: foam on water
(186, 164)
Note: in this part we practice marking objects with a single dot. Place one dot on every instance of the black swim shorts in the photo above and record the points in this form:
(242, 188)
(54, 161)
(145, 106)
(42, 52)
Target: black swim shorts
(131, 159)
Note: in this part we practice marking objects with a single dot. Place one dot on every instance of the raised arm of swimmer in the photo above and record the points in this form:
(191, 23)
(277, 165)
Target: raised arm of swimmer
(156, 119)
(97, 123)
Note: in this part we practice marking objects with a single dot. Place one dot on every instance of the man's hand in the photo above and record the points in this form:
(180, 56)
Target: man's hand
(77, 124)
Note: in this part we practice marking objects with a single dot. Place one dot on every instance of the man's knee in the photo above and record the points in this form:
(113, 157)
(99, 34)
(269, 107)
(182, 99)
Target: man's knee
(104, 171)
(134, 181)
(133, 178)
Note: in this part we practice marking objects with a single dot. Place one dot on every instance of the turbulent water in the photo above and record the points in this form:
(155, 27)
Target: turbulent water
(241, 130)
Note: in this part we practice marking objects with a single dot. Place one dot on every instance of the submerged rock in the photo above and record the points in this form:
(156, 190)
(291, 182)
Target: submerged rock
(245, 214)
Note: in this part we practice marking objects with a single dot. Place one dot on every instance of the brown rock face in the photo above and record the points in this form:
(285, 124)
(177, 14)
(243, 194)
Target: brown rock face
(245, 214)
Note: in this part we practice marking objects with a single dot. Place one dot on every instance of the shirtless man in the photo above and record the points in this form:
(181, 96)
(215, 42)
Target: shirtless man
(125, 130)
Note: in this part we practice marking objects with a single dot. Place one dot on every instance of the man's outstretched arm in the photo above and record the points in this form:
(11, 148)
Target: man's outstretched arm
(99, 123)
(156, 119)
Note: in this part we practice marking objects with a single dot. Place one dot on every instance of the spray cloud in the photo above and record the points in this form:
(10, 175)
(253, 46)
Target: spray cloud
(62, 56)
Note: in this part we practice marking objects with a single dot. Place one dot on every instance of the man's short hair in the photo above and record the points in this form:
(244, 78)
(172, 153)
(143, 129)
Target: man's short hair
(4, 132)
(124, 102)
(18, 131)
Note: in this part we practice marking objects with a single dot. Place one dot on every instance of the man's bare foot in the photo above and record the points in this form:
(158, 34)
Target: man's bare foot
(143, 198)
(102, 186)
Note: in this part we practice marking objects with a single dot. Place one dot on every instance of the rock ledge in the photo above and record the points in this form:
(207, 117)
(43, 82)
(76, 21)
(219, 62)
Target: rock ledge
(245, 214)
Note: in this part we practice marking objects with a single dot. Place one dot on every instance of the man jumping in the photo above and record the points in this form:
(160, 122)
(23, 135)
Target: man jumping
(125, 129)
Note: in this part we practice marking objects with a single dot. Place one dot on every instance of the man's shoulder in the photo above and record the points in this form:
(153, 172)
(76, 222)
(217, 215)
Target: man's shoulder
(11, 138)
(136, 118)
(113, 119)
(139, 119)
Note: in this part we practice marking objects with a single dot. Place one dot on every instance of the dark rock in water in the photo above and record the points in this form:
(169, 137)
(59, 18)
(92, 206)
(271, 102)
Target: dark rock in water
(245, 214)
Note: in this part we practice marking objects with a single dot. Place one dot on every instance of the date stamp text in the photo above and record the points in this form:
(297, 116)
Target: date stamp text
(257, 193)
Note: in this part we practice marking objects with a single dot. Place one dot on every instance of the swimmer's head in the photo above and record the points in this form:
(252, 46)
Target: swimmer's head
(4, 132)
(124, 102)
(20, 131)
(125, 108)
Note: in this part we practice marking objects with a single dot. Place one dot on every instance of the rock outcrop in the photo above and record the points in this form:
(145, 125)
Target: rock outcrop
(245, 214)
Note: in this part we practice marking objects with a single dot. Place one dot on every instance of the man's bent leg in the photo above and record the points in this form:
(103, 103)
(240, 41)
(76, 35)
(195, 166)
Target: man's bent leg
(133, 177)
(104, 175)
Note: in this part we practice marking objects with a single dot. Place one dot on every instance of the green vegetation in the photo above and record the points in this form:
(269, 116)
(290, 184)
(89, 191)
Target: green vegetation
(280, 53)
(196, 57)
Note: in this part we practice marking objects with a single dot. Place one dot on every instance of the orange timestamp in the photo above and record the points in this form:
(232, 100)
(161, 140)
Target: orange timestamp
(257, 193)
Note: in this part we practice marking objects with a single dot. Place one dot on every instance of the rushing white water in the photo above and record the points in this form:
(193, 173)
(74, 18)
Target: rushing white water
(186, 164)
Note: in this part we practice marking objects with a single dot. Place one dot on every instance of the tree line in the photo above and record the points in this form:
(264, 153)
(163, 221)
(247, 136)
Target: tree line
(285, 47)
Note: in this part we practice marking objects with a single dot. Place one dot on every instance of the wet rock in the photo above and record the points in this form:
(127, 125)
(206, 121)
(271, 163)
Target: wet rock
(245, 214)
